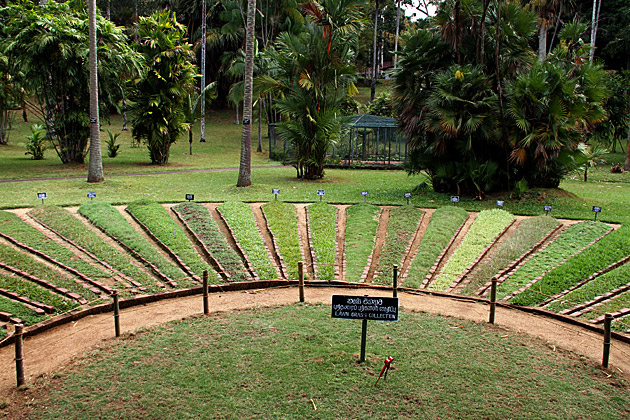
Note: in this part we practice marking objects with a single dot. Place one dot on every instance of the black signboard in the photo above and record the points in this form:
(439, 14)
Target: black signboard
(547, 208)
(41, 196)
(321, 192)
(373, 308)
(500, 203)
(597, 209)
(364, 193)
(190, 197)
(407, 195)
(275, 191)
(454, 199)
(91, 195)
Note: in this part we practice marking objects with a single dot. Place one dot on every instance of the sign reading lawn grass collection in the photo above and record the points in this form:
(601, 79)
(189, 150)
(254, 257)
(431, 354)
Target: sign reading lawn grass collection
(365, 307)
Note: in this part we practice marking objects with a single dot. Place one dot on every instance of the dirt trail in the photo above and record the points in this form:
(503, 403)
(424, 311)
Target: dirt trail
(300, 213)
(48, 351)
(381, 234)
(342, 218)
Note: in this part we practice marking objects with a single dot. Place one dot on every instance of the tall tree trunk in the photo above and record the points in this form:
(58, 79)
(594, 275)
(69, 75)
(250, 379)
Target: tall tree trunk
(95, 167)
(594, 26)
(626, 166)
(203, 71)
(260, 104)
(375, 49)
(397, 34)
(542, 41)
(245, 168)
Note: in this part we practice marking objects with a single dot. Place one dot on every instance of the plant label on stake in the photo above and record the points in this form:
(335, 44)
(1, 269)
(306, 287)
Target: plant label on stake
(407, 196)
(596, 209)
(547, 210)
(91, 195)
(364, 194)
(500, 203)
(321, 194)
(41, 196)
(190, 197)
(454, 199)
(275, 192)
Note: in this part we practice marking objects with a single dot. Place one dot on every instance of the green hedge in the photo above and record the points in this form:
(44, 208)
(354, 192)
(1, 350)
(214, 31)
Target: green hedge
(322, 220)
(361, 227)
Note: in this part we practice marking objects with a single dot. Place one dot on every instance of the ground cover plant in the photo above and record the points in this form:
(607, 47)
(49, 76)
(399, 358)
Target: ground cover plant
(61, 221)
(528, 233)
(24, 262)
(203, 225)
(486, 227)
(361, 226)
(21, 311)
(600, 255)
(165, 373)
(11, 225)
(35, 293)
(322, 219)
(401, 228)
(621, 301)
(444, 223)
(240, 218)
(599, 286)
(282, 222)
(161, 224)
(110, 221)
(564, 246)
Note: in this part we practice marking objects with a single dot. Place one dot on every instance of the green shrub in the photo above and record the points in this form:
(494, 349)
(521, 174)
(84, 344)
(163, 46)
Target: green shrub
(112, 146)
(37, 142)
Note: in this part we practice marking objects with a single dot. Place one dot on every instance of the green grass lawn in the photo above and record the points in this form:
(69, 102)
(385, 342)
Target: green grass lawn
(296, 362)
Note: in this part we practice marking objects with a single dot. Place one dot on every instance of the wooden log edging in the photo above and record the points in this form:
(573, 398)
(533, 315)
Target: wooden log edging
(165, 248)
(38, 307)
(537, 279)
(622, 313)
(461, 278)
(97, 287)
(65, 293)
(282, 268)
(366, 270)
(514, 265)
(311, 247)
(588, 306)
(218, 268)
(429, 277)
(240, 251)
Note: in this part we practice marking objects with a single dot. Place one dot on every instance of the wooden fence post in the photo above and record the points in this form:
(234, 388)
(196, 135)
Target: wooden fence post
(395, 280)
(19, 354)
(301, 280)
(116, 313)
(607, 321)
(493, 300)
(206, 305)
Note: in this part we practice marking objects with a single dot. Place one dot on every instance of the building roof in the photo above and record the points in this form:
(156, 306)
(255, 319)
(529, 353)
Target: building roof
(371, 121)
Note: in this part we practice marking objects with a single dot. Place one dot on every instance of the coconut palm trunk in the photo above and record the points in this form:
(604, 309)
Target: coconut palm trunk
(245, 168)
(95, 168)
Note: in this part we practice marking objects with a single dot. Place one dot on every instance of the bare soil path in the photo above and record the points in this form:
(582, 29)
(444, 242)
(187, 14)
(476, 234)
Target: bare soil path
(379, 240)
(300, 213)
(52, 349)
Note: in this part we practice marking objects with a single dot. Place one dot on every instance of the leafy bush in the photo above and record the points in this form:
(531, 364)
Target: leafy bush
(37, 142)
(401, 228)
(112, 147)
(443, 225)
(240, 218)
(382, 105)
(155, 218)
(205, 228)
(70, 227)
(361, 226)
(110, 221)
(283, 224)
(487, 225)
(322, 220)
(606, 251)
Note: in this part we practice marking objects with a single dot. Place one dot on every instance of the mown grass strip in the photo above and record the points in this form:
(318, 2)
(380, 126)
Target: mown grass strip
(597, 287)
(600, 255)
(621, 301)
(157, 220)
(240, 219)
(199, 220)
(61, 221)
(283, 224)
(24, 262)
(109, 220)
(401, 228)
(566, 244)
(36, 293)
(528, 233)
(19, 310)
(322, 219)
(12, 226)
(444, 223)
(486, 227)
(361, 227)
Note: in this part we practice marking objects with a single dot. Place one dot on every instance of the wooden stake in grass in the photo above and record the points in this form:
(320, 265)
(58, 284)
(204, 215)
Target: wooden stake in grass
(395, 283)
(19, 354)
(206, 306)
(116, 313)
(301, 280)
(493, 299)
(607, 321)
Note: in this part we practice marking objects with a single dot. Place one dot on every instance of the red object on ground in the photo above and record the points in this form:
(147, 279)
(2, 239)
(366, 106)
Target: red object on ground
(385, 369)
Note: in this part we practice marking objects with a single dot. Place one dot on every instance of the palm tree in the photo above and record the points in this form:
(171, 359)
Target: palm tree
(95, 168)
(244, 172)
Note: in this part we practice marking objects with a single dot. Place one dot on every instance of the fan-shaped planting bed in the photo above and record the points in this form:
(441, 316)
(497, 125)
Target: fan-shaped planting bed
(282, 222)
(361, 226)
(322, 227)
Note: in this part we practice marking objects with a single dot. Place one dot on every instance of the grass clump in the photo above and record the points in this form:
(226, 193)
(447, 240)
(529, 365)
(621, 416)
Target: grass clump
(110, 221)
(361, 227)
(566, 244)
(24, 262)
(621, 301)
(19, 310)
(443, 225)
(240, 218)
(283, 224)
(11, 225)
(528, 233)
(402, 225)
(205, 228)
(164, 372)
(322, 220)
(598, 256)
(486, 227)
(35, 293)
(155, 218)
(70, 227)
